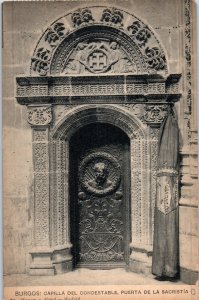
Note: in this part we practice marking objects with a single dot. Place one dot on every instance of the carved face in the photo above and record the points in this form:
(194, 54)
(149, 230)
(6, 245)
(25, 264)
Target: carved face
(101, 172)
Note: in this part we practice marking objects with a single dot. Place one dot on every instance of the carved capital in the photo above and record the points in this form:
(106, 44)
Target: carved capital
(39, 115)
(155, 113)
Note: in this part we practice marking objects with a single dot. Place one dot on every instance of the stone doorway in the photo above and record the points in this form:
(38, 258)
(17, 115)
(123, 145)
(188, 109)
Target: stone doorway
(115, 79)
(99, 183)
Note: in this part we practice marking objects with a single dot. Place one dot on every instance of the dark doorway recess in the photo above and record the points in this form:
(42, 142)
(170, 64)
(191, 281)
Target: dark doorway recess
(100, 196)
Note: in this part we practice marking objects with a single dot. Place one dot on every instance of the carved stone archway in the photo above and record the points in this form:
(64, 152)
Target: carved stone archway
(63, 94)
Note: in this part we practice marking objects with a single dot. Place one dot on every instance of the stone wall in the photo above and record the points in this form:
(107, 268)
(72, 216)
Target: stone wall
(23, 25)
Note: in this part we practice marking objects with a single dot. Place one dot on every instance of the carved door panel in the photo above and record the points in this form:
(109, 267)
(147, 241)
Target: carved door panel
(100, 196)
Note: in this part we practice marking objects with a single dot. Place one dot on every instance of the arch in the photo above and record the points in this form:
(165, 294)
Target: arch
(87, 114)
(135, 39)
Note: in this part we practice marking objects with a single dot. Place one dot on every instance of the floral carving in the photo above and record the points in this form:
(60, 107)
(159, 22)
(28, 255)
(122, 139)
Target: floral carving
(39, 115)
(155, 58)
(41, 60)
(81, 17)
(55, 33)
(155, 113)
(139, 32)
(112, 15)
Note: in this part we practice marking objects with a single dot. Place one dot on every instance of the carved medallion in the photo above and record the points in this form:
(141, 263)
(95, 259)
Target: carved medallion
(100, 174)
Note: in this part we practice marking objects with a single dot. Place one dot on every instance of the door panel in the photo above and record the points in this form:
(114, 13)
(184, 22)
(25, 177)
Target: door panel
(99, 190)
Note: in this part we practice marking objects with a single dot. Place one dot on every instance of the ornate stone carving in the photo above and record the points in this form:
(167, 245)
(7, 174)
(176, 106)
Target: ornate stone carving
(41, 209)
(155, 113)
(55, 33)
(99, 57)
(39, 135)
(41, 184)
(40, 156)
(110, 24)
(155, 58)
(41, 61)
(39, 115)
(113, 16)
(100, 174)
(188, 64)
(154, 136)
(139, 32)
(82, 17)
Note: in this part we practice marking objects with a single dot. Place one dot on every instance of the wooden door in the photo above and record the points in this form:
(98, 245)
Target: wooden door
(99, 196)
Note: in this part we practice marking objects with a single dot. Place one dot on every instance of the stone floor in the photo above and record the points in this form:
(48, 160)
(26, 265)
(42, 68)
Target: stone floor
(85, 277)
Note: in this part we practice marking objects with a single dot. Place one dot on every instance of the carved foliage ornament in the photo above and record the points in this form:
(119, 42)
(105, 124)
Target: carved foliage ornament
(39, 115)
(112, 15)
(151, 51)
(55, 34)
(82, 16)
(139, 33)
(155, 113)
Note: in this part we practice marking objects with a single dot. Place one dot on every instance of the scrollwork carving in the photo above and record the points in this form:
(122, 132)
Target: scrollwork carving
(39, 115)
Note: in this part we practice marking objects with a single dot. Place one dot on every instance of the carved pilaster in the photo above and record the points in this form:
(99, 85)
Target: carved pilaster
(153, 136)
(40, 117)
(140, 205)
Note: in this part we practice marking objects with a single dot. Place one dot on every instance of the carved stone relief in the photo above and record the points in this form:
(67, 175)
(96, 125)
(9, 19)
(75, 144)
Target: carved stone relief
(155, 113)
(99, 57)
(139, 42)
(100, 163)
(39, 115)
(41, 183)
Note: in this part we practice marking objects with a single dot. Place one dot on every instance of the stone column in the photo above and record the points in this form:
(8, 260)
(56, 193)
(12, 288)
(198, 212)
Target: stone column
(39, 117)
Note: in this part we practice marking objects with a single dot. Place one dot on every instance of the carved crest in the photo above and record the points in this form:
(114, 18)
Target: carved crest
(39, 115)
(99, 57)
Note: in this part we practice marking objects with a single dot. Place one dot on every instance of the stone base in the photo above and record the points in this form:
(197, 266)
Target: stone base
(188, 276)
(140, 262)
(50, 261)
(63, 267)
(42, 271)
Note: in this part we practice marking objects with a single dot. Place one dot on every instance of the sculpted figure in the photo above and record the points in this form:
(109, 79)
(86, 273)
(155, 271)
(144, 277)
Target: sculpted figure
(101, 173)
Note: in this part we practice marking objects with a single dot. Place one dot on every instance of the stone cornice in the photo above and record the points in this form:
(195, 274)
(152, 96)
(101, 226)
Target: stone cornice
(98, 89)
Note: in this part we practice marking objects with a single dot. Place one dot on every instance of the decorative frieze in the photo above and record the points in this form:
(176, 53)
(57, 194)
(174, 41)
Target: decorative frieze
(110, 88)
